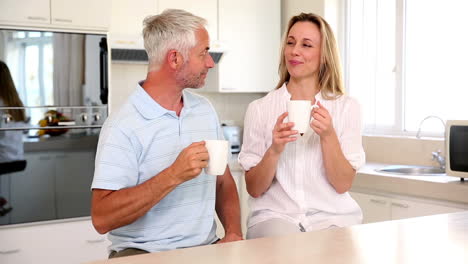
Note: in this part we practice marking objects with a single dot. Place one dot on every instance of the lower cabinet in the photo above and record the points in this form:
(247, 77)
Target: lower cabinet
(54, 185)
(378, 208)
(69, 242)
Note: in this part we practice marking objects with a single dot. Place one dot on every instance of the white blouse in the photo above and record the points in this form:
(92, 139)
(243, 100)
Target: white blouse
(11, 141)
(300, 192)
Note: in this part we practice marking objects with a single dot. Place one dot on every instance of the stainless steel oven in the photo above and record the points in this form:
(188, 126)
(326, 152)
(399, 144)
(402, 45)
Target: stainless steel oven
(53, 102)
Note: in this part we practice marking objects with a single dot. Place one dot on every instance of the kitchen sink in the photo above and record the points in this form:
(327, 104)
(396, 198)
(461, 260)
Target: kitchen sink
(412, 170)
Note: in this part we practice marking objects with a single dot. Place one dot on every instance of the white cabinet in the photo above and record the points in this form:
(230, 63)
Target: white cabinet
(127, 22)
(374, 208)
(25, 12)
(89, 14)
(378, 208)
(402, 209)
(208, 9)
(67, 14)
(69, 242)
(249, 31)
(127, 18)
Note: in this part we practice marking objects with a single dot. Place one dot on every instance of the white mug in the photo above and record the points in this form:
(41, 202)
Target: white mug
(299, 112)
(218, 152)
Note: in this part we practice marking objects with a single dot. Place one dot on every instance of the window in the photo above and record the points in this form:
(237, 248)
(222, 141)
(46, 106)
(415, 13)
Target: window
(32, 56)
(406, 60)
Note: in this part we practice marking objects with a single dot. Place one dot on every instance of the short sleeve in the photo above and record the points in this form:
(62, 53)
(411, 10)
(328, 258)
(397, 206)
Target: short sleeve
(253, 145)
(351, 137)
(116, 165)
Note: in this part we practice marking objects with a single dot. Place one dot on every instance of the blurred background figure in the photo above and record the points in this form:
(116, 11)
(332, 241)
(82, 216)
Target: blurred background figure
(11, 141)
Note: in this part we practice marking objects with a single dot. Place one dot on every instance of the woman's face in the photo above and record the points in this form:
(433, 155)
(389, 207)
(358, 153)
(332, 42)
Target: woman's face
(303, 49)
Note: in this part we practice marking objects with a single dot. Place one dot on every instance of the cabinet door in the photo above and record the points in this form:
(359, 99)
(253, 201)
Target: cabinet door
(127, 18)
(32, 193)
(402, 209)
(72, 242)
(28, 12)
(250, 32)
(374, 208)
(81, 14)
(74, 175)
(208, 9)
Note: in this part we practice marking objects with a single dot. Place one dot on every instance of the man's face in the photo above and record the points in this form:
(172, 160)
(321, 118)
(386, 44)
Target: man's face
(193, 72)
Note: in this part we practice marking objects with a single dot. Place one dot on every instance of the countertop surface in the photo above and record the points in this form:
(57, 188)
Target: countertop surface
(430, 239)
(368, 180)
(441, 187)
(65, 142)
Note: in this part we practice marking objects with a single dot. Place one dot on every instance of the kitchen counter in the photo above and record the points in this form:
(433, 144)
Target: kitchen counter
(430, 239)
(61, 143)
(440, 187)
(368, 180)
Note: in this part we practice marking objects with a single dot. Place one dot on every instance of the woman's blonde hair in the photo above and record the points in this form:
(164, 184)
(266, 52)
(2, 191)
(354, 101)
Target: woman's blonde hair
(9, 95)
(330, 79)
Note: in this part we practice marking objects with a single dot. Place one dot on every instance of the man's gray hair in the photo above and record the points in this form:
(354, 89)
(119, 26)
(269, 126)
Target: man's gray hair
(172, 29)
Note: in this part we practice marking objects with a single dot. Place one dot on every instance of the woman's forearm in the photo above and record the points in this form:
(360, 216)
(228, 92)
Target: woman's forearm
(259, 178)
(338, 170)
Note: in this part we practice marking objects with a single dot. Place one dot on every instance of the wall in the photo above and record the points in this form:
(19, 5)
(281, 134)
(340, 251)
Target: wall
(291, 8)
(124, 78)
(402, 150)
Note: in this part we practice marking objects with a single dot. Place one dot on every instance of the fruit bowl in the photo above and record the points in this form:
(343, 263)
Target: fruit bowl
(52, 119)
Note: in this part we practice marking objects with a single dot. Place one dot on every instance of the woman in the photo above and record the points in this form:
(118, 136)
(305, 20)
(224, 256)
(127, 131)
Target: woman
(300, 183)
(11, 141)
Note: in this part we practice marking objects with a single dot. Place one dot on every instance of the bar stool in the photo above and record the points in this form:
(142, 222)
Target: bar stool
(5, 168)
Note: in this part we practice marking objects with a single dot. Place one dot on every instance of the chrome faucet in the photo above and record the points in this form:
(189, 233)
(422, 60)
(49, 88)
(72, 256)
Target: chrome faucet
(418, 136)
(435, 155)
(439, 158)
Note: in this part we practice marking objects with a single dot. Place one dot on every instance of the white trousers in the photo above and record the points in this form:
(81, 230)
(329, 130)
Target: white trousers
(277, 227)
(272, 227)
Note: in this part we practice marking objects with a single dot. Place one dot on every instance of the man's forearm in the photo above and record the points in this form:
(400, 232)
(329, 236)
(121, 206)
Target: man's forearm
(114, 209)
(227, 204)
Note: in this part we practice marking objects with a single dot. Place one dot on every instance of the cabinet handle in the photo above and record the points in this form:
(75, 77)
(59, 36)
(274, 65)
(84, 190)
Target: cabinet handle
(94, 241)
(44, 158)
(37, 18)
(11, 251)
(63, 20)
(228, 88)
(378, 201)
(400, 205)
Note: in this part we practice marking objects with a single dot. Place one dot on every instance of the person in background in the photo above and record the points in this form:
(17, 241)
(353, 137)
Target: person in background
(301, 183)
(11, 141)
(150, 191)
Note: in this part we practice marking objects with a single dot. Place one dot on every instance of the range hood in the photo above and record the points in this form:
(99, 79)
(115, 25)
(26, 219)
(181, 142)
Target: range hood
(131, 50)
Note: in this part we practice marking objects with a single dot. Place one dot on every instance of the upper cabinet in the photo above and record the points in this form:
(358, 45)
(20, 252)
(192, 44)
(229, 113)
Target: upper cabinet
(25, 12)
(127, 21)
(250, 34)
(247, 34)
(83, 14)
(67, 14)
(208, 9)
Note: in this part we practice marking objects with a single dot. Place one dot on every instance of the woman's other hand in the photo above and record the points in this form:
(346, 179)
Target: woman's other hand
(322, 123)
(282, 133)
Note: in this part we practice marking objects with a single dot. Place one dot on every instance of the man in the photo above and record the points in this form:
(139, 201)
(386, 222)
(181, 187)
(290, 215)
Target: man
(150, 191)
